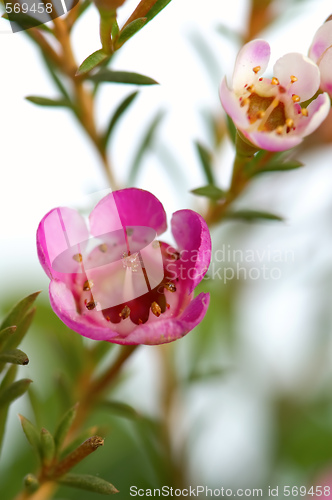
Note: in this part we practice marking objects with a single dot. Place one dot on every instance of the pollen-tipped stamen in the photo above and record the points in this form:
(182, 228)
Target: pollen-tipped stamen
(156, 309)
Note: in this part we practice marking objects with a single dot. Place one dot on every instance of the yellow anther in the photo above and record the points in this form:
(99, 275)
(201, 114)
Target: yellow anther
(260, 114)
(256, 69)
(293, 79)
(245, 102)
(87, 285)
(91, 305)
(289, 122)
(156, 309)
(275, 81)
(170, 287)
(78, 257)
(125, 313)
(250, 88)
(296, 98)
(279, 130)
(103, 247)
(304, 111)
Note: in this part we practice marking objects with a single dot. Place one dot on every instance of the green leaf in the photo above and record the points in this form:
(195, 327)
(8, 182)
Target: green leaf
(22, 328)
(89, 483)
(145, 145)
(45, 101)
(231, 129)
(206, 160)
(19, 311)
(64, 426)
(121, 409)
(107, 75)
(7, 380)
(14, 391)
(31, 434)
(5, 334)
(130, 30)
(26, 21)
(118, 113)
(9, 377)
(47, 446)
(252, 215)
(53, 73)
(92, 61)
(209, 191)
(158, 7)
(278, 167)
(14, 356)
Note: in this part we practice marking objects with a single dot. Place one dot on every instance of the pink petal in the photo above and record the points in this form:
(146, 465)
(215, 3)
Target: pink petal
(127, 207)
(63, 304)
(253, 54)
(232, 106)
(304, 69)
(193, 239)
(317, 112)
(61, 229)
(168, 330)
(322, 41)
(325, 67)
(273, 142)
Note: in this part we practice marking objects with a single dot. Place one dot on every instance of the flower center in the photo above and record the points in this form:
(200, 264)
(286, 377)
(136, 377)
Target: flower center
(137, 309)
(271, 106)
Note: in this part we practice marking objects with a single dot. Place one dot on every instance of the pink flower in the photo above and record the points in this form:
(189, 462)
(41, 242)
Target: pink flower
(321, 53)
(267, 111)
(122, 285)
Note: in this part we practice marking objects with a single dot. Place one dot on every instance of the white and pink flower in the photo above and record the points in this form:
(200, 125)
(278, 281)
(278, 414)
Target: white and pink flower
(267, 111)
(321, 53)
(111, 280)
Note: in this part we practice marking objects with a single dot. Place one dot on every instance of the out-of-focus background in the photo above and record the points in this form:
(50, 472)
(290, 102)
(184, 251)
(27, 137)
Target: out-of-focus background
(254, 396)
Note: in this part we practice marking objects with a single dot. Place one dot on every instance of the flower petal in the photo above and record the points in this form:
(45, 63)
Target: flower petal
(193, 239)
(232, 106)
(322, 41)
(252, 55)
(63, 304)
(164, 331)
(274, 142)
(127, 207)
(325, 67)
(317, 112)
(303, 68)
(60, 229)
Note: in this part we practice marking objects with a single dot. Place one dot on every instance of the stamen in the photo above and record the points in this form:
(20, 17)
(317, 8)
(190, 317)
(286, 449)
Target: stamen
(140, 321)
(245, 102)
(170, 287)
(279, 130)
(250, 88)
(78, 257)
(125, 313)
(156, 309)
(275, 81)
(293, 79)
(296, 98)
(103, 247)
(91, 305)
(260, 79)
(289, 122)
(88, 285)
(167, 305)
(260, 114)
(256, 69)
(304, 112)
